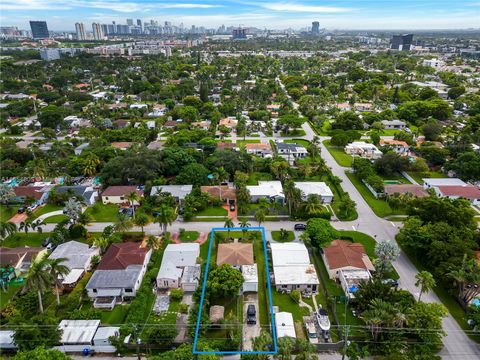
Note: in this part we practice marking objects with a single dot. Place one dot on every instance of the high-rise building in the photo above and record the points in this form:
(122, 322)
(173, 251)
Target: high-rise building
(401, 42)
(239, 33)
(97, 31)
(139, 23)
(80, 30)
(39, 30)
(315, 28)
(129, 22)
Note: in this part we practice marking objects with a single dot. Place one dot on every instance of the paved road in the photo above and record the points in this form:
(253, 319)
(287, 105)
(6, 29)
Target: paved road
(457, 345)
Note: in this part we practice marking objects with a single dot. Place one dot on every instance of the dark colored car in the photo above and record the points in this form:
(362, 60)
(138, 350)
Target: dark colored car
(251, 314)
(300, 227)
(21, 210)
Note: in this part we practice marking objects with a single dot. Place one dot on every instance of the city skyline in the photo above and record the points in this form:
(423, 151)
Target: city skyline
(340, 14)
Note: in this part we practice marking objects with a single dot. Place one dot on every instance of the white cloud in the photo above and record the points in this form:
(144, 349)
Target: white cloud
(296, 7)
(189, 6)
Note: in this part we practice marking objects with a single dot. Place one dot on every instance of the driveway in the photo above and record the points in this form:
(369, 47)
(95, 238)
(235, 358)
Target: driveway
(250, 331)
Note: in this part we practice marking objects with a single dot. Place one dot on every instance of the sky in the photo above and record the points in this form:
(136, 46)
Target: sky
(61, 15)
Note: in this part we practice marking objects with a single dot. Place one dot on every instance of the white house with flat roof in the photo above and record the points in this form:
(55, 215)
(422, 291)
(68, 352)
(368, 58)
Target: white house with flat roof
(270, 190)
(179, 267)
(179, 192)
(317, 188)
(363, 149)
(292, 268)
(250, 277)
(429, 183)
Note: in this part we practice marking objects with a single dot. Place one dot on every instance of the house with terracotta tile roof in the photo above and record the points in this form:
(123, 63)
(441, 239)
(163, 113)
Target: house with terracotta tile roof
(226, 193)
(20, 258)
(400, 147)
(262, 150)
(402, 189)
(345, 255)
(467, 191)
(347, 263)
(119, 274)
(235, 254)
(117, 194)
(122, 145)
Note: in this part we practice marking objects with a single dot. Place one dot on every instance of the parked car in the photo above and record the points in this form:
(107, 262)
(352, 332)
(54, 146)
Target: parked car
(32, 207)
(232, 207)
(251, 314)
(300, 227)
(21, 210)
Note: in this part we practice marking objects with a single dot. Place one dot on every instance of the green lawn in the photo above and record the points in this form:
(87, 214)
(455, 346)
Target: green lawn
(293, 133)
(55, 219)
(263, 300)
(5, 297)
(302, 142)
(189, 236)
(242, 143)
(286, 303)
(32, 239)
(103, 213)
(339, 154)
(256, 176)
(44, 210)
(213, 211)
(418, 176)
(6, 212)
(116, 316)
(276, 236)
(379, 207)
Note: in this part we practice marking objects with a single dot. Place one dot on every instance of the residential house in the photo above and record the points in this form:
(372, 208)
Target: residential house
(229, 122)
(119, 274)
(364, 150)
(292, 268)
(411, 189)
(79, 335)
(20, 258)
(118, 194)
(270, 190)
(179, 267)
(86, 193)
(290, 151)
(122, 145)
(394, 124)
(79, 149)
(345, 255)
(468, 191)
(226, 193)
(284, 325)
(138, 106)
(361, 107)
(120, 124)
(432, 182)
(78, 260)
(158, 111)
(400, 147)
(226, 145)
(171, 124)
(179, 192)
(203, 125)
(343, 106)
(235, 254)
(38, 193)
(155, 145)
(262, 150)
(348, 263)
(317, 188)
(150, 124)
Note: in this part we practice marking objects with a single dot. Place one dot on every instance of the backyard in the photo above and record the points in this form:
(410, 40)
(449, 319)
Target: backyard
(213, 211)
(188, 236)
(102, 213)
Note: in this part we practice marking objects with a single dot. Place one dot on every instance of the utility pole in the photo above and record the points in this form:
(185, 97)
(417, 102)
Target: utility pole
(345, 331)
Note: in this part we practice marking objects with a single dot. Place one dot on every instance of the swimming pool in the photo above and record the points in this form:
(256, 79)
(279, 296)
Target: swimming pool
(392, 182)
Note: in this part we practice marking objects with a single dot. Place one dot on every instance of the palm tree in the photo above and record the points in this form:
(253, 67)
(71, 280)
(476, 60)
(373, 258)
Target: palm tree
(132, 199)
(57, 269)
(166, 216)
(152, 242)
(37, 224)
(141, 220)
(123, 223)
(260, 216)
(313, 205)
(7, 228)
(426, 282)
(84, 219)
(91, 163)
(244, 224)
(38, 278)
(305, 350)
(73, 209)
(467, 278)
(292, 194)
(285, 346)
(102, 243)
(228, 224)
(25, 226)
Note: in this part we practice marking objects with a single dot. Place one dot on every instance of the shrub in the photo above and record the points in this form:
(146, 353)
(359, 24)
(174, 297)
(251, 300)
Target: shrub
(77, 231)
(183, 308)
(176, 294)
